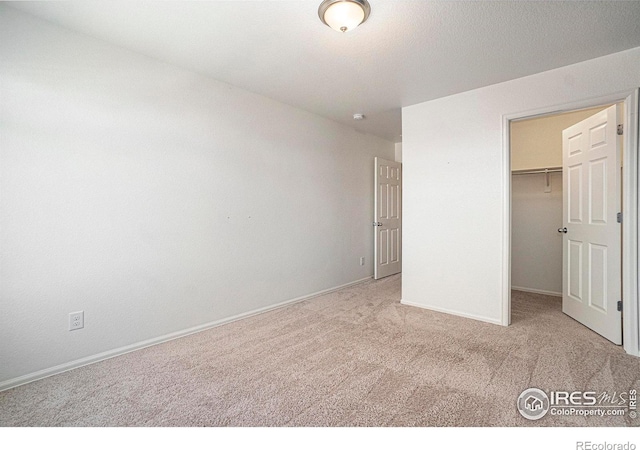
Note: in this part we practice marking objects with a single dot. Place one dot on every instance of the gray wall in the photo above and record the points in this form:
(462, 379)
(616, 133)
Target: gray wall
(536, 245)
(156, 199)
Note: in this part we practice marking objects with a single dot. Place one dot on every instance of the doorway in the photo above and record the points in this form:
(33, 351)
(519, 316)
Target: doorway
(544, 258)
(546, 179)
(387, 218)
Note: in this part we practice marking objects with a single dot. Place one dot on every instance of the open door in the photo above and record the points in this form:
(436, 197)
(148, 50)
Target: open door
(388, 218)
(591, 275)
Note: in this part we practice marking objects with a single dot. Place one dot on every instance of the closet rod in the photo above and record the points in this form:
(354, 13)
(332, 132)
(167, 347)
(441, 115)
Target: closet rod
(529, 172)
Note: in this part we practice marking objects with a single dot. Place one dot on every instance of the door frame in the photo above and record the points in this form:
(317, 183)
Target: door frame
(630, 207)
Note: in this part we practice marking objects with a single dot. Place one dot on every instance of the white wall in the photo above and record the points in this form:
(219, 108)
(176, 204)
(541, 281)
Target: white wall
(454, 188)
(156, 199)
(536, 245)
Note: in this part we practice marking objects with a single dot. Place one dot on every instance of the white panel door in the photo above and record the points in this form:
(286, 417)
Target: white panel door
(591, 243)
(388, 218)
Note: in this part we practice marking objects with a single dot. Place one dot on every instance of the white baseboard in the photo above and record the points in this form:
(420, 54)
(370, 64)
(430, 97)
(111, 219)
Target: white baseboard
(537, 291)
(34, 376)
(455, 313)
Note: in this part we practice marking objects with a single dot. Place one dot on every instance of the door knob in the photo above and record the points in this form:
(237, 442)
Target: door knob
(562, 230)
(377, 224)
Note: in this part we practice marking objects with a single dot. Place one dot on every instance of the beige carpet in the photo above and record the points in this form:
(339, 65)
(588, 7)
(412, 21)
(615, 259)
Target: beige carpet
(351, 358)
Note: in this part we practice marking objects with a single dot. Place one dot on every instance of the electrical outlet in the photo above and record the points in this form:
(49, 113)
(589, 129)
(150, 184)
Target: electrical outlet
(76, 320)
(362, 260)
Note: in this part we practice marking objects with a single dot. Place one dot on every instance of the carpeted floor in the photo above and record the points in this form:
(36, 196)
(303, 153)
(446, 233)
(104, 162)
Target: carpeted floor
(355, 357)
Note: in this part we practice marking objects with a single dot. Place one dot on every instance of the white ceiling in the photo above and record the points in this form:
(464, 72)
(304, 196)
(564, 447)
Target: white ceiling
(406, 53)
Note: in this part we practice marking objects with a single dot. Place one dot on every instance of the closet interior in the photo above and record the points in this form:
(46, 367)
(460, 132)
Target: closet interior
(536, 200)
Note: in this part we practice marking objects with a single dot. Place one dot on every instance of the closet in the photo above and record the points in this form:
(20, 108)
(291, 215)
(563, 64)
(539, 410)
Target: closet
(536, 201)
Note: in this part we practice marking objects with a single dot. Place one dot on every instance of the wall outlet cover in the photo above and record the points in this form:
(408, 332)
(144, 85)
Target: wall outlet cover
(76, 320)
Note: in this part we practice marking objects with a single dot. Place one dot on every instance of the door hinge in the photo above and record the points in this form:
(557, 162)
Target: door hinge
(620, 305)
(619, 217)
(620, 129)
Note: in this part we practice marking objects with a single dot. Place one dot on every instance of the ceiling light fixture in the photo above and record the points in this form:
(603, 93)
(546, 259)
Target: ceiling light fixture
(344, 15)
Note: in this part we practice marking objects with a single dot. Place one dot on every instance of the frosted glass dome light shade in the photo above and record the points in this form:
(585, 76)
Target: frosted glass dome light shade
(344, 15)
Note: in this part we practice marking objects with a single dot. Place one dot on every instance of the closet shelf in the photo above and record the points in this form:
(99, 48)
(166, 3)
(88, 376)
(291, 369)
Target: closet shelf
(536, 171)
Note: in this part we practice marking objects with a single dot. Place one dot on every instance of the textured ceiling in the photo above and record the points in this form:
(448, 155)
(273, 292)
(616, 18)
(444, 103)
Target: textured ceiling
(406, 53)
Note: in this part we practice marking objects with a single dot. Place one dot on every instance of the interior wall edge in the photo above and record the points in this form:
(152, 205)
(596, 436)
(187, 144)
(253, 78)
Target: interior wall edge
(453, 312)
